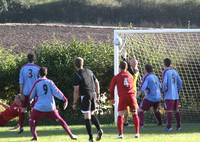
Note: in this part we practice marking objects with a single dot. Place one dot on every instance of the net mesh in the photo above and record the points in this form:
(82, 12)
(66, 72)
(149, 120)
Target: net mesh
(184, 51)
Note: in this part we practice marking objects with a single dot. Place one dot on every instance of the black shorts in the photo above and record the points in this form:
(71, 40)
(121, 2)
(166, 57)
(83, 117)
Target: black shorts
(87, 104)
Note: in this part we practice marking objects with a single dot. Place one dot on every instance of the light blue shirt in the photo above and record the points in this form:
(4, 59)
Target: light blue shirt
(151, 87)
(29, 73)
(44, 90)
(172, 84)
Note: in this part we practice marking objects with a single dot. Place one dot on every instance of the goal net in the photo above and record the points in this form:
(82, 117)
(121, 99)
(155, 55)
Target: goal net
(182, 46)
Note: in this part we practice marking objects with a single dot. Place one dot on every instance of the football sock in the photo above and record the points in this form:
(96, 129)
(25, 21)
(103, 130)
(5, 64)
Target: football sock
(88, 125)
(169, 119)
(95, 121)
(136, 122)
(178, 119)
(141, 116)
(120, 124)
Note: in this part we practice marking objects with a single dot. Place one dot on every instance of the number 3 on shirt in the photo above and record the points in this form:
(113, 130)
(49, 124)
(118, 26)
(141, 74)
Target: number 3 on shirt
(30, 73)
(126, 82)
(45, 88)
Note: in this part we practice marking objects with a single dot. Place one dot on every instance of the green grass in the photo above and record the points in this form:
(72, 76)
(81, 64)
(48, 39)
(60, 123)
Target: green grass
(151, 133)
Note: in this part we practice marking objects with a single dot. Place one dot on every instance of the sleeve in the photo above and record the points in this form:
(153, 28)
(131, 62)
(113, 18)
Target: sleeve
(21, 81)
(32, 94)
(112, 87)
(144, 85)
(164, 83)
(76, 80)
(179, 82)
(57, 93)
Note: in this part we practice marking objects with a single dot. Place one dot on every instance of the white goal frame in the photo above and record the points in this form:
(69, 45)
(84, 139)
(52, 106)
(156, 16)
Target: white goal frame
(117, 45)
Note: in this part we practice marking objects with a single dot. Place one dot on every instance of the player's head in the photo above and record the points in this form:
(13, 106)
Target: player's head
(43, 71)
(79, 62)
(133, 62)
(30, 57)
(167, 62)
(123, 66)
(148, 68)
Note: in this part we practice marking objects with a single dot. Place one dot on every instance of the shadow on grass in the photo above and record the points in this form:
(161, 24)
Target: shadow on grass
(108, 129)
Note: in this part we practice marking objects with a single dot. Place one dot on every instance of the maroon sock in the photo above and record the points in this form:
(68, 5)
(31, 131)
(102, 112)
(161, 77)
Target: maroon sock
(158, 117)
(169, 119)
(136, 122)
(178, 119)
(141, 116)
(65, 126)
(32, 124)
(120, 124)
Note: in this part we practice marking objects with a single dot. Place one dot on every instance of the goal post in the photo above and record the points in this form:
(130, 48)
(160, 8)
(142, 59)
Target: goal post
(152, 46)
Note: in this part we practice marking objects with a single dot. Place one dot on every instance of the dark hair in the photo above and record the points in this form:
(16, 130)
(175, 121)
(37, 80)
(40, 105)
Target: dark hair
(43, 71)
(148, 68)
(167, 62)
(123, 65)
(79, 62)
(30, 57)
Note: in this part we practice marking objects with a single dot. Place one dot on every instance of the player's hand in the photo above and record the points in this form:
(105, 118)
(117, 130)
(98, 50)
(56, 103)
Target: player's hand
(65, 105)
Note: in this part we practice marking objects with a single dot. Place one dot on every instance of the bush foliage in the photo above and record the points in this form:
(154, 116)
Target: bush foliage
(58, 57)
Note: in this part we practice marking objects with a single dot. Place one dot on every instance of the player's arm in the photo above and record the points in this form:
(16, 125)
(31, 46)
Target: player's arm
(76, 85)
(144, 86)
(97, 86)
(58, 94)
(179, 82)
(164, 83)
(21, 81)
(32, 94)
(112, 88)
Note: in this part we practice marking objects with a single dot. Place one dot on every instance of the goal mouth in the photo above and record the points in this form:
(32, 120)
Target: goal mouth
(152, 46)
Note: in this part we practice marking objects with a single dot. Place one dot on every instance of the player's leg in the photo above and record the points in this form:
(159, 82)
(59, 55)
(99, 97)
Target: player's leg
(21, 121)
(126, 117)
(122, 106)
(86, 110)
(25, 104)
(34, 117)
(169, 110)
(177, 115)
(95, 120)
(3, 122)
(120, 123)
(56, 116)
(157, 112)
(144, 106)
(134, 109)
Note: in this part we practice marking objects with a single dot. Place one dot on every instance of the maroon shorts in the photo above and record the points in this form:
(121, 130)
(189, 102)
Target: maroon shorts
(171, 105)
(37, 115)
(3, 122)
(126, 101)
(26, 102)
(146, 105)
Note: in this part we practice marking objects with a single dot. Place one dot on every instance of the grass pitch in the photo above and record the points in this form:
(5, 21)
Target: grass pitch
(150, 133)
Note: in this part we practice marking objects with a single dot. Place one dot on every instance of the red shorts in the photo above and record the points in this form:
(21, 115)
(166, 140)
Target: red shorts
(171, 105)
(126, 101)
(37, 115)
(26, 102)
(3, 122)
(146, 105)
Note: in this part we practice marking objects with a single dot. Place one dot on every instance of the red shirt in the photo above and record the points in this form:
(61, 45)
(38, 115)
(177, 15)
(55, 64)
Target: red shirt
(11, 112)
(124, 83)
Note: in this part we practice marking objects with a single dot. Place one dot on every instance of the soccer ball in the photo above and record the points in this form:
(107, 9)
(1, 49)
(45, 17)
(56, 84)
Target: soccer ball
(118, 41)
